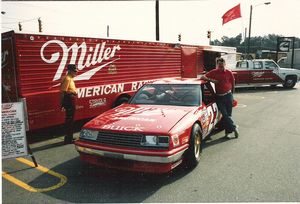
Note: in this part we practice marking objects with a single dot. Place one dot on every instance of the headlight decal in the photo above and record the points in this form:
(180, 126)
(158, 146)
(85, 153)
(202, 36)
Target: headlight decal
(153, 140)
(88, 134)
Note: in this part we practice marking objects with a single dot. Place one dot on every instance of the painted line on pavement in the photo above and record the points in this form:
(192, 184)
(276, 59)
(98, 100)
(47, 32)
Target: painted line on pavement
(63, 179)
(241, 106)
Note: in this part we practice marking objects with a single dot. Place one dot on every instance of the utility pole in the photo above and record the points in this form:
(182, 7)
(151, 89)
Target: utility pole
(107, 31)
(40, 25)
(249, 36)
(157, 19)
(250, 22)
(20, 26)
(245, 43)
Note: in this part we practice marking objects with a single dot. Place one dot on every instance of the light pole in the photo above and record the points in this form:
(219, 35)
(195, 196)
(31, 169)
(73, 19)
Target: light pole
(250, 21)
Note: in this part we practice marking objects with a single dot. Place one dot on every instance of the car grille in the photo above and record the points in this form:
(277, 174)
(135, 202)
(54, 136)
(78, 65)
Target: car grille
(123, 140)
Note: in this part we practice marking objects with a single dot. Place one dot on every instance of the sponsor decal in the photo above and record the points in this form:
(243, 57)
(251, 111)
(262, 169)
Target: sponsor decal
(109, 89)
(185, 140)
(112, 69)
(257, 74)
(213, 114)
(135, 119)
(136, 128)
(131, 110)
(89, 56)
(100, 90)
(145, 111)
(94, 103)
(159, 126)
(138, 84)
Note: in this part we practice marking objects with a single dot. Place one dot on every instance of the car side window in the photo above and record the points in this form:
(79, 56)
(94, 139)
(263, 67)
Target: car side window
(257, 65)
(270, 65)
(208, 94)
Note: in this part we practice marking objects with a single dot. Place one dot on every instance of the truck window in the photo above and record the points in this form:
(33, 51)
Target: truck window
(270, 65)
(242, 65)
(257, 65)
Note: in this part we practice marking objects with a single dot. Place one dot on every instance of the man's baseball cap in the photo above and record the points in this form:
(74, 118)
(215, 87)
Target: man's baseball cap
(72, 67)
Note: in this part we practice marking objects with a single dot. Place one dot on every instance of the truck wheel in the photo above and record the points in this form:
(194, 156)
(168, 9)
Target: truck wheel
(273, 85)
(195, 147)
(121, 100)
(289, 83)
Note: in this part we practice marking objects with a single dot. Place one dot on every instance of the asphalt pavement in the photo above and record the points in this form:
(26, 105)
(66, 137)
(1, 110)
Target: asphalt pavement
(262, 165)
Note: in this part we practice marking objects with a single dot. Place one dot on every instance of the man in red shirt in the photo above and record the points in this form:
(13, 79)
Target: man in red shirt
(224, 83)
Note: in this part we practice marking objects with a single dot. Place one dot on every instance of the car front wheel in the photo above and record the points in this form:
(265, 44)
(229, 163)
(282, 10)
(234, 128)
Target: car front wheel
(195, 147)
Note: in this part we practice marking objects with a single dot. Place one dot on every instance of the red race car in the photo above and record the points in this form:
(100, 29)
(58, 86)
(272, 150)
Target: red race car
(163, 125)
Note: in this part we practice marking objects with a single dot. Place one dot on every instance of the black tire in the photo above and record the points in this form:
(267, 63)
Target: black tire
(289, 82)
(273, 85)
(195, 147)
(121, 100)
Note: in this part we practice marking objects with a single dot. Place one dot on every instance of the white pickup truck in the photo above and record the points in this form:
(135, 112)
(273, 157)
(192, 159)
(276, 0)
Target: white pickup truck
(264, 72)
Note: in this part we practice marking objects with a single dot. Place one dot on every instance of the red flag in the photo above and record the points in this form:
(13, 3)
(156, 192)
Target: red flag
(232, 14)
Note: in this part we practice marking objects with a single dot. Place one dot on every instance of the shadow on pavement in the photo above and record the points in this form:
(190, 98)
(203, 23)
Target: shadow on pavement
(215, 137)
(52, 132)
(91, 184)
(262, 89)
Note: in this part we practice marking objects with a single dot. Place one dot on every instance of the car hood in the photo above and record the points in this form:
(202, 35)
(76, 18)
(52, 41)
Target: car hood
(140, 118)
(289, 70)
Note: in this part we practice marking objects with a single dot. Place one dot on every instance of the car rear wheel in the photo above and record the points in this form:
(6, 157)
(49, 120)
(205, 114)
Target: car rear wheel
(195, 147)
(121, 100)
(289, 83)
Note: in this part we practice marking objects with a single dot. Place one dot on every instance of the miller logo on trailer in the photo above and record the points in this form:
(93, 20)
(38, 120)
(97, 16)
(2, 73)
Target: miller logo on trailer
(110, 71)
(89, 56)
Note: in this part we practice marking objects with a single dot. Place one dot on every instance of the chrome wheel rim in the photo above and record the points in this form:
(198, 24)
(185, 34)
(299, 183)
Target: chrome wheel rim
(289, 82)
(197, 146)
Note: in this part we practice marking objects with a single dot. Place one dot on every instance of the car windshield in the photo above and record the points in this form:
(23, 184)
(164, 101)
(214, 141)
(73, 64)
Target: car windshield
(168, 94)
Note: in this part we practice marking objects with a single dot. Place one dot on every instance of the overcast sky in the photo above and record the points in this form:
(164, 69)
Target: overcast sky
(135, 20)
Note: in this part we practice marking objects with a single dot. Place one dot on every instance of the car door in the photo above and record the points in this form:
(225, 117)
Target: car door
(257, 73)
(271, 72)
(210, 113)
(241, 73)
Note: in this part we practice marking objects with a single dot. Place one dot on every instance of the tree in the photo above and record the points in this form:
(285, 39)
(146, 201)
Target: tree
(268, 42)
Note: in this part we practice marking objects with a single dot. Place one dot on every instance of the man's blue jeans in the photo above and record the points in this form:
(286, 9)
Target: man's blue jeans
(225, 107)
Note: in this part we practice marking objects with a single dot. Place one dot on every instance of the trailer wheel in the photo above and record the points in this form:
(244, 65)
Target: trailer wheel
(121, 100)
(289, 83)
(195, 147)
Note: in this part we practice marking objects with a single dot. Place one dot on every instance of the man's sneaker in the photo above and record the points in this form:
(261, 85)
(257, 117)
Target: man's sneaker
(230, 136)
(236, 132)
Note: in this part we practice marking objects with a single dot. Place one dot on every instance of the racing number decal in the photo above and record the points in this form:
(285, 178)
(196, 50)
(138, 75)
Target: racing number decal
(212, 116)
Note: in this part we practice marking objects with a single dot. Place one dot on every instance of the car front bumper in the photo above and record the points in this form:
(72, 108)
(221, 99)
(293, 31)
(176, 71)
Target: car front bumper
(131, 161)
